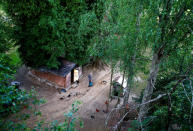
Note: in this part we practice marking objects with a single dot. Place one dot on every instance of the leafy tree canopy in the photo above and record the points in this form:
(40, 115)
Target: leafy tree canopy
(48, 29)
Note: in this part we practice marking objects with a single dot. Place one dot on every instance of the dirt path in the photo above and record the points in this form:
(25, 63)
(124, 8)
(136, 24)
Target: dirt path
(92, 98)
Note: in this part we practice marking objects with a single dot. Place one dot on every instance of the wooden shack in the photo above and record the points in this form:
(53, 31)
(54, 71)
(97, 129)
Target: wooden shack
(64, 76)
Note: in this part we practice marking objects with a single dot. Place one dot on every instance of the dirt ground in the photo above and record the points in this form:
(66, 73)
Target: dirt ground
(92, 98)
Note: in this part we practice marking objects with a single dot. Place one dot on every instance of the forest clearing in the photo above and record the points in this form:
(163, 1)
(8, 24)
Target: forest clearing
(92, 98)
(96, 65)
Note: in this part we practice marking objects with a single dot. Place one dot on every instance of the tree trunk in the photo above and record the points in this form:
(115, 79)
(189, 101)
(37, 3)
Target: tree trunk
(131, 70)
(126, 96)
(169, 113)
(111, 80)
(150, 85)
(123, 78)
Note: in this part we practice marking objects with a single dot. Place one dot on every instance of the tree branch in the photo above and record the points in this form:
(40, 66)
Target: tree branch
(177, 18)
(185, 92)
(171, 29)
(118, 123)
(180, 40)
(190, 118)
(156, 99)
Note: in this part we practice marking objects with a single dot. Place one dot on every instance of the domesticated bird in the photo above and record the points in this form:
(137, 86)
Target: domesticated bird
(61, 98)
(97, 110)
(92, 116)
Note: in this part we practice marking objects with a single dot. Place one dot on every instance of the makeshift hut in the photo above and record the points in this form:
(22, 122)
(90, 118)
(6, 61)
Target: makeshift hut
(64, 76)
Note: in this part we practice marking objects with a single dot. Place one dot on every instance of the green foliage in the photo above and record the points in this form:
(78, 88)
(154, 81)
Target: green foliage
(5, 31)
(42, 31)
(13, 100)
(130, 129)
(168, 25)
(11, 105)
(48, 29)
(15, 60)
(180, 109)
(71, 119)
(39, 27)
(177, 67)
(116, 31)
(167, 30)
(121, 37)
(70, 122)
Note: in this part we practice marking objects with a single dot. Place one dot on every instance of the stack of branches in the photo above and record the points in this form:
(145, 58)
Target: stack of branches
(98, 64)
(121, 117)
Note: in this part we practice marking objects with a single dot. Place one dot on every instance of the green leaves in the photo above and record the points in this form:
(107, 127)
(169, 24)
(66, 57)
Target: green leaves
(13, 100)
(6, 30)
(71, 119)
(49, 29)
(81, 124)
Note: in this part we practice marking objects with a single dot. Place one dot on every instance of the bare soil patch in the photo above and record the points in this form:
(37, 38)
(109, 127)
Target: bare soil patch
(92, 98)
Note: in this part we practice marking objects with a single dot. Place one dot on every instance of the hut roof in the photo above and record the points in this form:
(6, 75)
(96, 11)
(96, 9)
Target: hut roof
(63, 70)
